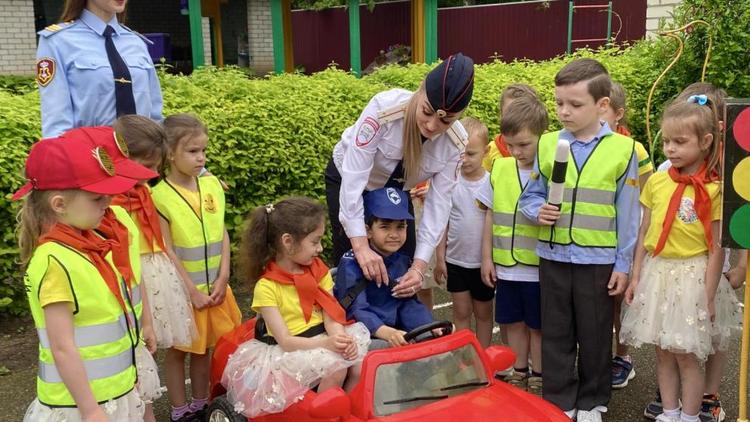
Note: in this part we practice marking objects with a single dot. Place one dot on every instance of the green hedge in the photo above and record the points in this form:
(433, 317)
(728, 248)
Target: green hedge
(272, 137)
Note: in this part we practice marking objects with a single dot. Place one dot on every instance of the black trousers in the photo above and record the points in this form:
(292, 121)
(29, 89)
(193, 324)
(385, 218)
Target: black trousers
(341, 243)
(576, 326)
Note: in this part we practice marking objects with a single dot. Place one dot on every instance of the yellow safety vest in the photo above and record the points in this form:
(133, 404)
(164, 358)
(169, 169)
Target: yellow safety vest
(197, 239)
(104, 335)
(514, 237)
(135, 263)
(588, 214)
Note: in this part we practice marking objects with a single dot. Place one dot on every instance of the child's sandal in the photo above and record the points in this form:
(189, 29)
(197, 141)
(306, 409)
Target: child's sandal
(534, 386)
(517, 380)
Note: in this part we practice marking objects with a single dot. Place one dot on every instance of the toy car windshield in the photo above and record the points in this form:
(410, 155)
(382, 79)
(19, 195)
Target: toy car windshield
(405, 385)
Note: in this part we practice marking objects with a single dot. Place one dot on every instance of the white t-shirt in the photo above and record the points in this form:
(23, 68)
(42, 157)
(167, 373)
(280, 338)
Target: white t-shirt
(518, 272)
(466, 224)
(727, 265)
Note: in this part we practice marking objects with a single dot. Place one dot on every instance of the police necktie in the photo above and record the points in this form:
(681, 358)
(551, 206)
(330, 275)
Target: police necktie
(124, 100)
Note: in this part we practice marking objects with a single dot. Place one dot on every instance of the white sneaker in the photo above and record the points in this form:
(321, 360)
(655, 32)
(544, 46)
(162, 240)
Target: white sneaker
(571, 414)
(664, 418)
(593, 415)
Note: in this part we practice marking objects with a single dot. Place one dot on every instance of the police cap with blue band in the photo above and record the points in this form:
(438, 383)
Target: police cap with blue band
(387, 204)
(450, 85)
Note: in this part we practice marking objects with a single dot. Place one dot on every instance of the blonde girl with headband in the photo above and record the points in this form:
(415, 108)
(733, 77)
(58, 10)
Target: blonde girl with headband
(678, 300)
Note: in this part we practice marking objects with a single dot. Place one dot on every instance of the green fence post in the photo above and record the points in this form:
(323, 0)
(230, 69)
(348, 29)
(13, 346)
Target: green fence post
(277, 22)
(569, 49)
(196, 33)
(609, 22)
(430, 28)
(355, 54)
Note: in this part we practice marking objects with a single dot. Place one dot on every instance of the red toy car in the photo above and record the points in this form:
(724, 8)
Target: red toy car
(450, 378)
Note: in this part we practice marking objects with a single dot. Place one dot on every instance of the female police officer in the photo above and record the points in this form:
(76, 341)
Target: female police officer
(91, 69)
(401, 139)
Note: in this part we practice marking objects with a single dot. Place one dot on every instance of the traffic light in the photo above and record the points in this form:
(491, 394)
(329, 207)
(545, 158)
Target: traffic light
(735, 225)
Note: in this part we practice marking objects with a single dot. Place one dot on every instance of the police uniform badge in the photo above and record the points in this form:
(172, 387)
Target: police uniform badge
(367, 131)
(45, 70)
(209, 204)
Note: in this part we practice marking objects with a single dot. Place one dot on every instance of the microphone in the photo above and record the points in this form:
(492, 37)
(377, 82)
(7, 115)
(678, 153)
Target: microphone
(559, 170)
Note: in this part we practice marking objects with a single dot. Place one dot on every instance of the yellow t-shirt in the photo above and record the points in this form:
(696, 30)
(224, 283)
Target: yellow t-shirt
(192, 197)
(687, 237)
(144, 243)
(644, 161)
(494, 151)
(284, 296)
(489, 158)
(55, 286)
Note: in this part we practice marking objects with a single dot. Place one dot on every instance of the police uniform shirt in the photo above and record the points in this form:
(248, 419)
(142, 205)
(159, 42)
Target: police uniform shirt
(76, 83)
(370, 150)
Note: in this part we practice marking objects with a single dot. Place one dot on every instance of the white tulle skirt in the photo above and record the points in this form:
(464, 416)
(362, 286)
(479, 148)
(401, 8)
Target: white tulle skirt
(670, 309)
(148, 387)
(262, 379)
(169, 302)
(128, 408)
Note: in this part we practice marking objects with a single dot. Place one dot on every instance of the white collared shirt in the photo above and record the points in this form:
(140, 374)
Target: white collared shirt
(370, 150)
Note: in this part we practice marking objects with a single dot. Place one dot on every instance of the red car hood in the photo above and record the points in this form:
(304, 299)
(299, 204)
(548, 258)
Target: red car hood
(499, 402)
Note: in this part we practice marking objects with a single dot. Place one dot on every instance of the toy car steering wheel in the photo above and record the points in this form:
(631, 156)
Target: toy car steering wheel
(417, 335)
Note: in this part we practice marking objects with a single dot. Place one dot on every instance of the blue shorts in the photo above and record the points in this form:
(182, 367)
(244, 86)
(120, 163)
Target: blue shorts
(518, 301)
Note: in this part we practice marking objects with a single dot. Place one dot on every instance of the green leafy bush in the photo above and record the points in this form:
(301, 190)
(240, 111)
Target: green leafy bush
(273, 137)
(14, 84)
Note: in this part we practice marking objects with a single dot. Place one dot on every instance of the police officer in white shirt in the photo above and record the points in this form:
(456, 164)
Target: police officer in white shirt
(401, 139)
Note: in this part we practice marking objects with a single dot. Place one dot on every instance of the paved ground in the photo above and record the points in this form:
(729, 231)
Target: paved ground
(19, 342)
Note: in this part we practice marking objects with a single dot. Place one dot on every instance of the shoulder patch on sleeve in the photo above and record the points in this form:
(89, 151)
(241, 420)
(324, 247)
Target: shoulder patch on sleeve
(392, 113)
(458, 135)
(632, 182)
(45, 70)
(367, 131)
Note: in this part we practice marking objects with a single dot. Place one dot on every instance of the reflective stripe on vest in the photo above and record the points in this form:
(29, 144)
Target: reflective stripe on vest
(588, 214)
(198, 238)
(91, 335)
(134, 253)
(95, 368)
(104, 340)
(514, 237)
(197, 253)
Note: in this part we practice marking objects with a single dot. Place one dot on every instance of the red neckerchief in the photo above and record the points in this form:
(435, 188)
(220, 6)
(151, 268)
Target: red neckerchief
(502, 147)
(308, 288)
(113, 229)
(622, 130)
(138, 201)
(94, 247)
(702, 203)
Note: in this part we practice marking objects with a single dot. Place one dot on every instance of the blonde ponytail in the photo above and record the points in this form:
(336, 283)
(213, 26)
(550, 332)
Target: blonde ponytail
(34, 219)
(412, 137)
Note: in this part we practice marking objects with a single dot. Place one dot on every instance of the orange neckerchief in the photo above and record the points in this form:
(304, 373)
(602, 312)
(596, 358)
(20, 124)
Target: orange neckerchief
(308, 289)
(138, 201)
(113, 229)
(502, 147)
(622, 130)
(93, 246)
(702, 203)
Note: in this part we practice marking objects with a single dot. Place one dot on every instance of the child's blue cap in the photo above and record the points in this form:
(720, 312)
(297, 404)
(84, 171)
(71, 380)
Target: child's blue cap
(388, 204)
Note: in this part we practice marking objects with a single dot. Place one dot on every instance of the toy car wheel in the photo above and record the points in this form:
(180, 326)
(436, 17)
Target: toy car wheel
(221, 410)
